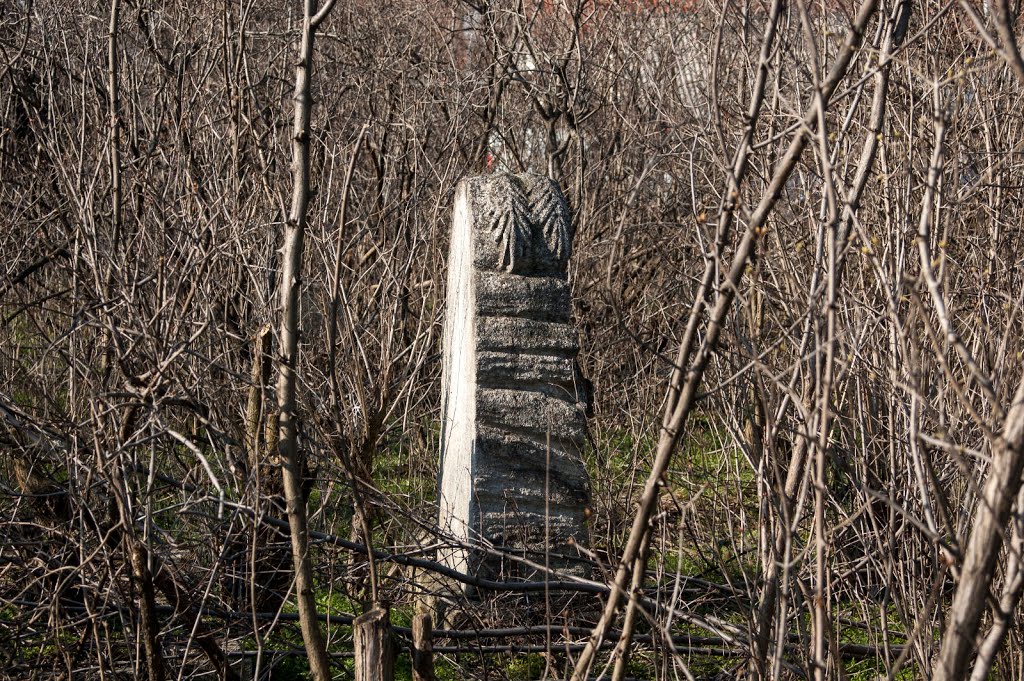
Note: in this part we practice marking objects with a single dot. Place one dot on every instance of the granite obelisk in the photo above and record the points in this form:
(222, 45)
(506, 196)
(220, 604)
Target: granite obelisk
(512, 481)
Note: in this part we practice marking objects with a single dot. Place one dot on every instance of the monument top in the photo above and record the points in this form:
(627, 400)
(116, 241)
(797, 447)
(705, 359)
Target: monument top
(527, 222)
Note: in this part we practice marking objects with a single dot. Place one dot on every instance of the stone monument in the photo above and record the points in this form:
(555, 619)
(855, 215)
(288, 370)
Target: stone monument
(514, 402)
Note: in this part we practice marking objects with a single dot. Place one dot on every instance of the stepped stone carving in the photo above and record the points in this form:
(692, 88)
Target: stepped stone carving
(514, 401)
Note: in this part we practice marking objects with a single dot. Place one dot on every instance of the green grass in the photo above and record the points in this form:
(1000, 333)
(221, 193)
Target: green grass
(398, 468)
(525, 667)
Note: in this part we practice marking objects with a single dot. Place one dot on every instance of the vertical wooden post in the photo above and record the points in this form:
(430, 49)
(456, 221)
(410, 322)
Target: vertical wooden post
(422, 648)
(374, 651)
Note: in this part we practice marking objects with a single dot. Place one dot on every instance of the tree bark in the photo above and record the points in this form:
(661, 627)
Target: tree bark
(422, 648)
(374, 651)
(1003, 616)
(149, 627)
(291, 284)
(990, 518)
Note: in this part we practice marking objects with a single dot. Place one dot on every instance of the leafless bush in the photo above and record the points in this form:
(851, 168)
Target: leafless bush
(796, 283)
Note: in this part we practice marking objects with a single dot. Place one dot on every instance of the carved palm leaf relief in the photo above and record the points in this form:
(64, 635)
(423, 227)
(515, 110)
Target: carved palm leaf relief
(510, 228)
(551, 215)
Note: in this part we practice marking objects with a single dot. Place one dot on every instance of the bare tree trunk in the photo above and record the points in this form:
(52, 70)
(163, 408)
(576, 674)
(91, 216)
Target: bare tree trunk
(374, 652)
(765, 617)
(142, 577)
(269, 571)
(291, 284)
(254, 404)
(423, 648)
(114, 99)
(148, 625)
(1004, 614)
(694, 354)
(990, 517)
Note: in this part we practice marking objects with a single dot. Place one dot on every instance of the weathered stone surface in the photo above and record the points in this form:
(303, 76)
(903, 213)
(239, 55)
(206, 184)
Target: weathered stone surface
(523, 335)
(514, 426)
(512, 295)
(536, 473)
(523, 223)
(496, 368)
(512, 528)
(531, 413)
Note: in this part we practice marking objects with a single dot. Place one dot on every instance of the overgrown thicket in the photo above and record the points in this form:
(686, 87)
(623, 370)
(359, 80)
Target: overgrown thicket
(795, 277)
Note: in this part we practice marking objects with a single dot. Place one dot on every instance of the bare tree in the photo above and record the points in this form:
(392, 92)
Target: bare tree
(292, 461)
